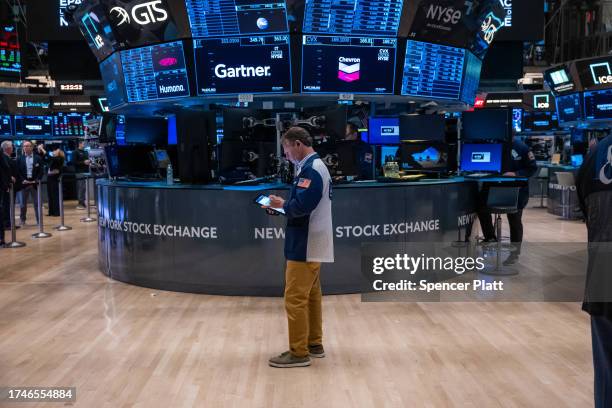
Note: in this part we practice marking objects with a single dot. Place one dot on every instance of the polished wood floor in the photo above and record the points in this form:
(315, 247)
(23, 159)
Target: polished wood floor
(62, 323)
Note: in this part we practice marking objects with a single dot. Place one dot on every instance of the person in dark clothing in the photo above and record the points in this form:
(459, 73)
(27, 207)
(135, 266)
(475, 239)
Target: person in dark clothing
(30, 167)
(81, 163)
(56, 163)
(365, 152)
(6, 149)
(522, 164)
(5, 184)
(594, 187)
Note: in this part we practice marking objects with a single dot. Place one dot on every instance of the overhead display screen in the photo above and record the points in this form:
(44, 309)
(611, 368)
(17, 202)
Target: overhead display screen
(595, 73)
(540, 121)
(598, 105)
(140, 22)
(433, 71)
(560, 80)
(569, 108)
(243, 65)
(471, 78)
(212, 18)
(96, 29)
(458, 23)
(6, 125)
(34, 126)
(68, 125)
(360, 65)
(155, 72)
(114, 84)
(10, 52)
(353, 17)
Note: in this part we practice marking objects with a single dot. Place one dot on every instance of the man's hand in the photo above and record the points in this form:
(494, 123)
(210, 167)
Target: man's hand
(276, 201)
(510, 174)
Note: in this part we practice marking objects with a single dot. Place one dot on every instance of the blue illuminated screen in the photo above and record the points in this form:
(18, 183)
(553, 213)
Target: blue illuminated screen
(243, 65)
(213, 18)
(114, 82)
(384, 131)
(434, 71)
(577, 160)
(387, 152)
(68, 125)
(6, 125)
(360, 65)
(598, 105)
(517, 120)
(569, 107)
(34, 126)
(481, 157)
(353, 17)
(155, 72)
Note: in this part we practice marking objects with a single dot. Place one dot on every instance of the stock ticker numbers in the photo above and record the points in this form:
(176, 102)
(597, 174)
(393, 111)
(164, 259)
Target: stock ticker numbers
(433, 71)
(155, 72)
(237, 17)
(353, 17)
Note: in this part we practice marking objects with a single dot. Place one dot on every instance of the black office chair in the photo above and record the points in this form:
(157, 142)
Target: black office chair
(501, 200)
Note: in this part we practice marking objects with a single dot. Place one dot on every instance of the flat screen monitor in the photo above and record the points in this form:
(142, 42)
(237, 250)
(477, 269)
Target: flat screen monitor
(595, 73)
(114, 82)
(517, 120)
(68, 125)
(247, 157)
(471, 78)
(422, 127)
(112, 129)
(237, 17)
(146, 130)
(172, 132)
(387, 153)
(560, 79)
(577, 160)
(424, 156)
(252, 65)
(487, 124)
(360, 17)
(10, 51)
(34, 126)
(6, 125)
(360, 65)
(162, 158)
(136, 161)
(540, 121)
(384, 131)
(95, 27)
(155, 72)
(481, 157)
(569, 107)
(598, 105)
(433, 71)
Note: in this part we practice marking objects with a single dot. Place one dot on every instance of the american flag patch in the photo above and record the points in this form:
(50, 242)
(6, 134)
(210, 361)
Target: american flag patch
(303, 183)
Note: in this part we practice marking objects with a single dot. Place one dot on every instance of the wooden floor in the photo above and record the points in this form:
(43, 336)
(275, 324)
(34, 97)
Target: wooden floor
(62, 323)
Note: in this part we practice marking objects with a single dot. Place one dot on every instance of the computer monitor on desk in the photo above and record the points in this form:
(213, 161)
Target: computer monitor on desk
(485, 158)
(424, 156)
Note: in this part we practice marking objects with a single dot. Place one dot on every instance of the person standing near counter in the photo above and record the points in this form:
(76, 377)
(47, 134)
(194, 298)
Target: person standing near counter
(594, 186)
(308, 243)
(56, 165)
(81, 164)
(30, 167)
(364, 150)
(522, 164)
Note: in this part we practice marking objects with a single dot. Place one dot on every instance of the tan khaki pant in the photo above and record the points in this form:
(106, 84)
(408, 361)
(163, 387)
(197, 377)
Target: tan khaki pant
(303, 306)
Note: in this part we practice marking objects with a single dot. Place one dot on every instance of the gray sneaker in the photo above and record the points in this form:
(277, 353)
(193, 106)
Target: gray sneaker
(287, 360)
(316, 351)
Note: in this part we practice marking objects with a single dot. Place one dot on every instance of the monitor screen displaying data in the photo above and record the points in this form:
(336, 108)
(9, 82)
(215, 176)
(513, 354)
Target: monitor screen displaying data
(598, 105)
(6, 125)
(212, 18)
(360, 65)
(471, 78)
(155, 72)
(569, 107)
(114, 84)
(68, 125)
(353, 17)
(10, 52)
(433, 71)
(243, 65)
(34, 126)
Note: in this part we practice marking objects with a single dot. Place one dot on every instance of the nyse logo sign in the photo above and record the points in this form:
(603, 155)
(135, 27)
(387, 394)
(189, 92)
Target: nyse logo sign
(541, 101)
(142, 14)
(443, 14)
(601, 72)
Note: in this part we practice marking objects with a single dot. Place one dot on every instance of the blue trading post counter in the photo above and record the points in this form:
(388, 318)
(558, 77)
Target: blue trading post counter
(215, 240)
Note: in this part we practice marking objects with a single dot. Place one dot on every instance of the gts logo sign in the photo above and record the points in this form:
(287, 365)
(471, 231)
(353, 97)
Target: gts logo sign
(444, 14)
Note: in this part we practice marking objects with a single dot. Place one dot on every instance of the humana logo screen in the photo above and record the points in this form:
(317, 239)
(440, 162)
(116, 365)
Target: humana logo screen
(348, 65)
(243, 65)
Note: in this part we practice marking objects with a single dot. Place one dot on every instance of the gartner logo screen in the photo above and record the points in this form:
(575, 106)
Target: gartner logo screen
(258, 64)
(348, 65)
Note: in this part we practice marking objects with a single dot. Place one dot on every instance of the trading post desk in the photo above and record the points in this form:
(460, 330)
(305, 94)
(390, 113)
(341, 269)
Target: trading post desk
(215, 240)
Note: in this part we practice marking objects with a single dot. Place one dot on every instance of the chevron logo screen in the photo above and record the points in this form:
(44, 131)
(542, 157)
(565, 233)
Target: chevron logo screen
(348, 69)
